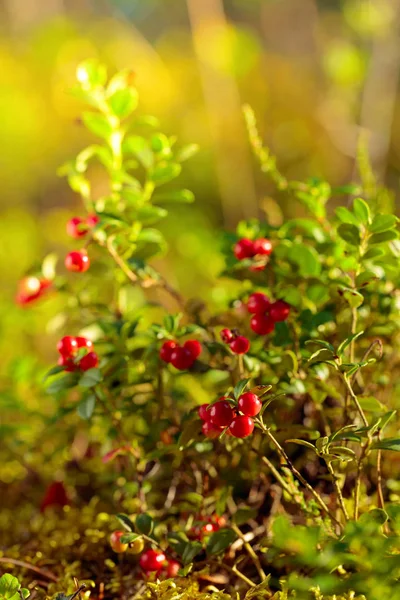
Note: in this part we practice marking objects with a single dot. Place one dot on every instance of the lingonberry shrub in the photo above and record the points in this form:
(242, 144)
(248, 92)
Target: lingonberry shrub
(272, 418)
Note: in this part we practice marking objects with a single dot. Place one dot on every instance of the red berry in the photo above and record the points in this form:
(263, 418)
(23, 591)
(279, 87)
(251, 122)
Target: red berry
(257, 268)
(262, 324)
(89, 361)
(67, 345)
(30, 289)
(166, 350)
(221, 413)
(280, 310)
(249, 404)
(152, 560)
(258, 303)
(76, 227)
(77, 261)
(55, 495)
(67, 363)
(226, 335)
(203, 412)
(172, 568)
(83, 342)
(194, 348)
(115, 541)
(92, 220)
(181, 359)
(241, 426)
(262, 246)
(244, 248)
(208, 528)
(211, 430)
(240, 345)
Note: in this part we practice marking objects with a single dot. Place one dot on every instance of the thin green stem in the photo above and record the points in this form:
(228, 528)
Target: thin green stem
(352, 394)
(338, 490)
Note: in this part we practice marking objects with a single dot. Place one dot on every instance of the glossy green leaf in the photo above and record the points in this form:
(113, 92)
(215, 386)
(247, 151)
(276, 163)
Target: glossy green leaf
(86, 407)
(90, 378)
(349, 233)
(220, 541)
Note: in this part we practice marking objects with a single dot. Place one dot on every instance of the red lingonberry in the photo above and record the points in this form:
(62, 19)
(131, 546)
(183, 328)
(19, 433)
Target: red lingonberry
(89, 361)
(30, 289)
(244, 248)
(240, 345)
(221, 413)
(77, 227)
(226, 335)
(55, 495)
(194, 348)
(241, 426)
(211, 430)
(208, 528)
(280, 310)
(77, 261)
(249, 404)
(258, 303)
(172, 568)
(152, 560)
(67, 363)
(203, 412)
(262, 324)
(67, 345)
(262, 246)
(92, 220)
(257, 268)
(115, 541)
(181, 359)
(166, 350)
(83, 342)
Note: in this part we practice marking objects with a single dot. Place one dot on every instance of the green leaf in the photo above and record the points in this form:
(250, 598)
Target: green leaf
(149, 214)
(189, 433)
(322, 343)
(346, 216)
(90, 378)
(128, 538)
(9, 585)
(97, 124)
(342, 347)
(377, 515)
(220, 541)
(365, 278)
(53, 371)
(164, 172)
(386, 418)
(354, 298)
(125, 522)
(301, 443)
(186, 152)
(388, 444)
(91, 73)
(381, 238)
(177, 196)
(86, 407)
(123, 102)
(382, 223)
(139, 147)
(240, 387)
(361, 211)
(349, 233)
(63, 383)
(373, 253)
(190, 551)
(144, 524)
(307, 259)
(370, 404)
(49, 265)
(243, 515)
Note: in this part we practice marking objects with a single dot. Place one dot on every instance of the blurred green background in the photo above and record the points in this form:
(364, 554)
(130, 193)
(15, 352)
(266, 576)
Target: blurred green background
(316, 72)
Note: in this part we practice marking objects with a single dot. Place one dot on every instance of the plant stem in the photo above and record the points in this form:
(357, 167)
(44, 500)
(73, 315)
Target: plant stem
(381, 501)
(338, 490)
(355, 399)
(250, 552)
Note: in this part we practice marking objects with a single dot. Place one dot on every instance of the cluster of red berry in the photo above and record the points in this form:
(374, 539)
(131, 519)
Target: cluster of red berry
(235, 420)
(239, 344)
(30, 289)
(205, 526)
(78, 260)
(68, 348)
(246, 248)
(181, 357)
(266, 313)
(150, 561)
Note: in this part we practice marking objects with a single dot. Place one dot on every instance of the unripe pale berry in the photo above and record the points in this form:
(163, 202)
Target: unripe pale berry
(221, 413)
(181, 359)
(89, 361)
(152, 560)
(262, 246)
(244, 248)
(136, 547)
(166, 350)
(77, 261)
(194, 348)
(77, 227)
(240, 345)
(258, 303)
(241, 426)
(249, 404)
(115, 541)
(262, 324)
(280, 310)
(226, 335)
